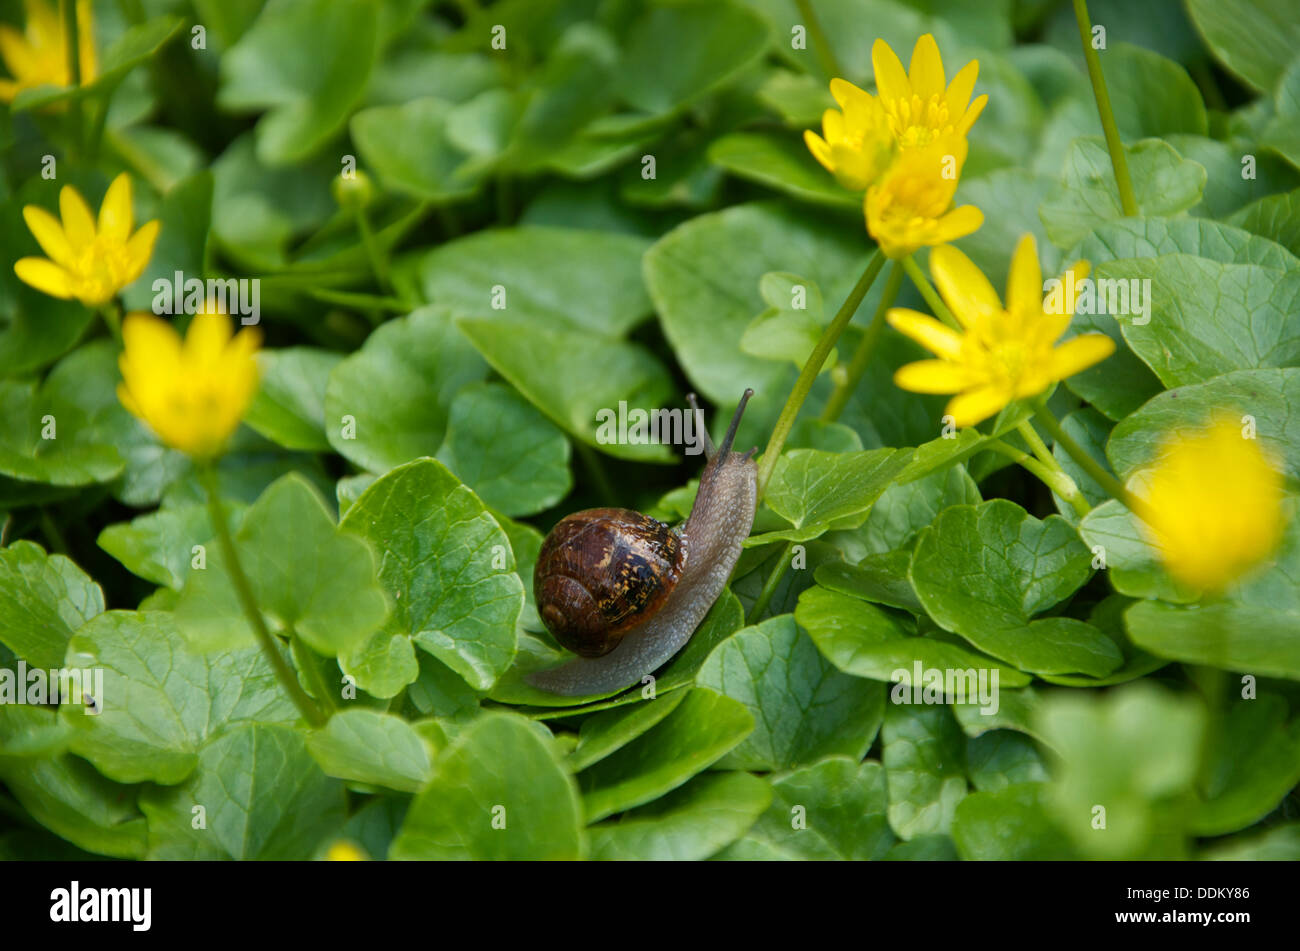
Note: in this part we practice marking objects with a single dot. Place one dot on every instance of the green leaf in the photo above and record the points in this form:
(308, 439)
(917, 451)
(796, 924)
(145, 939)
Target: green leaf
(1255, 763)
(803, 708)
(51, 435)
(67, 796)
(603, 733)
(185, 215)
(711, 42)
(1163, 183)
(1280, 843)
(1253, 39)
(1133, 752)
(688, 824)
(1009, 824)
(499, 791)
(924, 758)
(695, 735)
(449, 572)
(1276, 217)
(411, 149)
(597, 289)
(308, 97)
(1151, 95)
(706, 294)
(1208, 318)
(781, 163)
(1253, 630)
(1132, 560)
(389, 402)
(1011, 566)
(367, 746)
(30, 730)
(1001, 758)
(880, 578)
(289, 408)
(904, 509)
(816, 490)
(834, 809)
(159, 547)
(792, 324)
(327, 593)
(528, 354)
(1271, 397)
(43, 600)
(262, 798)
(161, 701)
(866, 641)
(511, 455)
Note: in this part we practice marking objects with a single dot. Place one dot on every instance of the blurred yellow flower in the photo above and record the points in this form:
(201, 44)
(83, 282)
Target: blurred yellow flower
(1005, 353)
(88, 262)
(37, 55)
(192, 394)
(921, 106)
(911, 206)
(344, 851)
(859, 144)
(1213, 501)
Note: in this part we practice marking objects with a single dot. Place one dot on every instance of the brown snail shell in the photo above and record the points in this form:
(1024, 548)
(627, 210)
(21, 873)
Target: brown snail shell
(600, 572)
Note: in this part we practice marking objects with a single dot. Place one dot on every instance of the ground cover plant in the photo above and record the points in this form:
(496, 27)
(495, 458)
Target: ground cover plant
(316, 316)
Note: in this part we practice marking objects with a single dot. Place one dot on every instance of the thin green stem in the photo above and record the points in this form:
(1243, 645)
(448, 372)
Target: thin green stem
(72, 50)
(932, 298)
(821, 44)
(866, 347)
(50, 529)
(1118, 160)
(769, 586)
(1036, 444)
(309, 662)
(1087, 463)
(378, 257)
(808, 375)
(112, 314)
(244, 591)
(105, 99)
(1055, 479)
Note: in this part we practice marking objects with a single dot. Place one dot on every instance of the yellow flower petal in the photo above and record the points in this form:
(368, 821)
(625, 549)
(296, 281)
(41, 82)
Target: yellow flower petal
(932, 376)
(140, 249)
(926, 69)
(964, 287)
(891, 80)
(846, 94)
(971, 115)
(959, 90)
(115, 216)
(47, 231)
(938, 338)
(819, 149)
(975, 406)
(1079, 353)
(1025, 281)
(46, 276)
(958, 223)
(78, 223)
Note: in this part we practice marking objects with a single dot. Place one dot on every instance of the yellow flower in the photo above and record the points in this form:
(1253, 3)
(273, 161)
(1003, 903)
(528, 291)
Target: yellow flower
(909, 112)
(919, 106)
(1004, 354)
(37, 56)
(192, 394)
(344, 851)
(859, 144)
(911, 207)
(88, 262)
(1213, 499)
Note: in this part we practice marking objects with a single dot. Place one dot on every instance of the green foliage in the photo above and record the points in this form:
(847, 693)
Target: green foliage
(603, 207)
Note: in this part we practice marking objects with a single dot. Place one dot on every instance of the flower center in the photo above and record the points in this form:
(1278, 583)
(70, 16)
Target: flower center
(99, 270)
(916, 122)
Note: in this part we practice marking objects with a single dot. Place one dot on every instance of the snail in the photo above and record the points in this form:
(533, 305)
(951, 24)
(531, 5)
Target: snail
(626, 592)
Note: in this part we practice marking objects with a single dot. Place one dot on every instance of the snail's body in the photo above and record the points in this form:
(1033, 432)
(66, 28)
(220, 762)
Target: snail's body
(614, 587)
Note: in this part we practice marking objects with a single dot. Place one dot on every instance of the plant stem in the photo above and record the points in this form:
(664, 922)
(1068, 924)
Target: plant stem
(1037, 445)
(309, 663)
(1056, 479)
(932, 298)
(862, 356)
(112, 314)
(821, 44)
(72, 50)
(769, 586)
(378, 258)
(283, 672)
(808, 375)
(1087, 463)
(51, 531)
(1118, 160)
